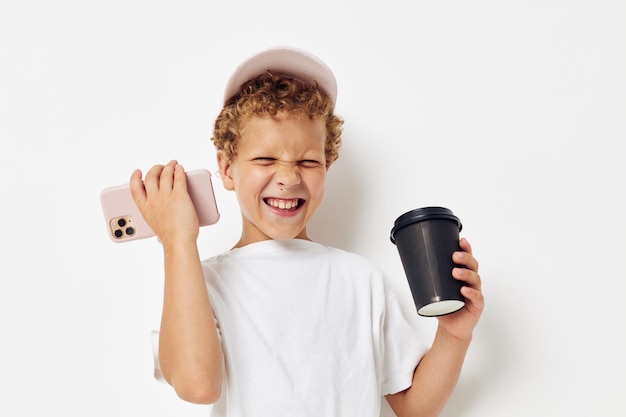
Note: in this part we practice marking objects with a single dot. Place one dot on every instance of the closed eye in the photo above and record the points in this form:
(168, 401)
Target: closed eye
(310, 163)
(263, 160)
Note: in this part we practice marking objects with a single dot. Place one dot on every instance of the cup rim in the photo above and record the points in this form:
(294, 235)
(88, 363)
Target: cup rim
(421, 214)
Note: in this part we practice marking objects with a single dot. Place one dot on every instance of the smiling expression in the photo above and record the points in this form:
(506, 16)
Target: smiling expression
(278, 175)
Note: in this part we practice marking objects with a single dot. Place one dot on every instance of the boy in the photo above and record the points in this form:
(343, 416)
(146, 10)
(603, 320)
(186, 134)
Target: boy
(280, 325)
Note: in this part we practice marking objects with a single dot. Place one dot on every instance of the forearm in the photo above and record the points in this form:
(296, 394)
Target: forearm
(189, 350)
(434, 379)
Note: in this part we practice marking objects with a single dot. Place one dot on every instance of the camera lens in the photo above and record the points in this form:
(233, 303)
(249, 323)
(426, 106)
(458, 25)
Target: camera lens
(118, 233)
(121, 222)
(130, 231)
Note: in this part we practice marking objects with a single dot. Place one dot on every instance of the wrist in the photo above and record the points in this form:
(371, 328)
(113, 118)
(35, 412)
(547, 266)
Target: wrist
(452, 338)
(179, 243)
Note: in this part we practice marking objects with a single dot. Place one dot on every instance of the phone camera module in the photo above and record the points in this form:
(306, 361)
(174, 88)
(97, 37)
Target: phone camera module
(122, 227)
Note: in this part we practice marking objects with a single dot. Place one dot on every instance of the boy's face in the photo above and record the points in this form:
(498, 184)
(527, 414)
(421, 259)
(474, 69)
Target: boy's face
(278, 175)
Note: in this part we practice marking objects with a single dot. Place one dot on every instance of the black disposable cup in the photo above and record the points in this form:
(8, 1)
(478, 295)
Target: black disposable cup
(426, 238)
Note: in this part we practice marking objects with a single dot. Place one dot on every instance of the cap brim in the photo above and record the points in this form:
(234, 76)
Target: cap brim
(289, 61)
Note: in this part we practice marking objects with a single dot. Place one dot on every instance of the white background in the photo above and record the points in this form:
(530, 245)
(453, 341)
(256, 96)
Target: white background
(511, 113)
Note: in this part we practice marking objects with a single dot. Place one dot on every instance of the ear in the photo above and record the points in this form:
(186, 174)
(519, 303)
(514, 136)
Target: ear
(225, 165)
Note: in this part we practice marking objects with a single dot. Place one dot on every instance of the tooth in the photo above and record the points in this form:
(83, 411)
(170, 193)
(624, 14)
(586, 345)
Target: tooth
(283, 204)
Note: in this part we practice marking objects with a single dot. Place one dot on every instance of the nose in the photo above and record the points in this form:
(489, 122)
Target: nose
(287, 174)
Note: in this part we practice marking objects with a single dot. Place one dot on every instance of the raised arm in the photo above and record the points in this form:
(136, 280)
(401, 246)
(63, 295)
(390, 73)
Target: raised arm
(190, 353)
(438, 372)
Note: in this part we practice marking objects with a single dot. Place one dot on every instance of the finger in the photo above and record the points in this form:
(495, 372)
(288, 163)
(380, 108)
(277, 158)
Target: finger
(137, 189)
(472, 278)
(465, 259)
(465, 245)
(180, 178)
(475, 297)
(166, 180)
(153, 179)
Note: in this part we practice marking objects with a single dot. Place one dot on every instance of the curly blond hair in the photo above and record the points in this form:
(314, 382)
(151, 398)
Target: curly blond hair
(269, 94)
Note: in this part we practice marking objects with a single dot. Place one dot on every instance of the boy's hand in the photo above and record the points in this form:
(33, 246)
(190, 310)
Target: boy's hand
(164, 202)
(461, 324)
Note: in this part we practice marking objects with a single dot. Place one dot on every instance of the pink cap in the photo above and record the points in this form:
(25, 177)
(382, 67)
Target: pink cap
(294, 62)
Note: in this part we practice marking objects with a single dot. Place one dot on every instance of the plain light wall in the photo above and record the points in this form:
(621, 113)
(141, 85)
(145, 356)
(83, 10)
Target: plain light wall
(512, 114)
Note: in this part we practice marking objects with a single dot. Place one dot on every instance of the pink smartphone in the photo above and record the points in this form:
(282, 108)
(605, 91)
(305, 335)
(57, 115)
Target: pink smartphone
(125, 222)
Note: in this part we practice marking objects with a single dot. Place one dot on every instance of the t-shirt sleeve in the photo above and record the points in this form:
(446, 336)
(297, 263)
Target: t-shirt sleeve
(403, 348)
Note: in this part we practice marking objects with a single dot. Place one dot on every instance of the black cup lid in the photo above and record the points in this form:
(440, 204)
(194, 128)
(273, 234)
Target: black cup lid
(421, 214)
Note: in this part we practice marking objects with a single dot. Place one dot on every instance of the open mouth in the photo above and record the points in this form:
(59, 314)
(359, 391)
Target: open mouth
(287, 204)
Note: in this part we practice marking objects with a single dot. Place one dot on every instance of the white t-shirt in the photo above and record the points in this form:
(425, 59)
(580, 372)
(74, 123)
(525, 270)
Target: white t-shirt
(307, 330)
